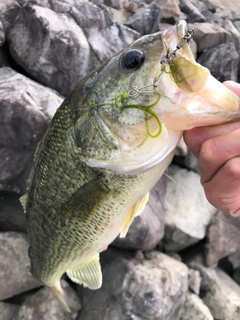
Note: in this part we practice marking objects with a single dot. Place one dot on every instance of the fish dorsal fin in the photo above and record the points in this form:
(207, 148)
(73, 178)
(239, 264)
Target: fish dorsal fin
(23, 200)
(135, 211)
(59, 295)
(88, 274)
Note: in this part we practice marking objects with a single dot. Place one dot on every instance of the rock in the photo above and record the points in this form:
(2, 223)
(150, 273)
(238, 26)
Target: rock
(2, 34)
(42, 305)
(192, 12)
(141, 289)
(230, 5)
(229, 26)
(117, 4)
(194, 280)
(222, 61)
(223, 298)
(237, 24)
(47, 51)
(194, 308)
(207, 274)
(147, 229)
(186, 217)
(234, 258)
(236, 275)
(223, 237)
(8, 12)
(14, 265)
(12, 217)
(26, 108)
(8, 310)
(208, 35)
(146, 19)
(170, 11)
(66, 42)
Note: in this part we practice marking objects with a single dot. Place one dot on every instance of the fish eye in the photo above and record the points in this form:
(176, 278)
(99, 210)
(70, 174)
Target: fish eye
(132, 59)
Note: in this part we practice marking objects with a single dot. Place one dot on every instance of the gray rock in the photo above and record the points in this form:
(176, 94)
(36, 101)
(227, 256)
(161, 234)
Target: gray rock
(186, 217)
(141, 289)
(8, 12)
(229, 26)
(146, 19)
(2, 34)
(194, 281)
(170, 10)
(14, 263)
(61, 43)
(194, 308)
(42, 305)
(208, 35)
(222, 61)
(147, 229)
(234, 258)
(26, 108)
(223, 237)
(192, 12)
(8, 310)
(223, 298)
(237, 24)
(12, 217)
(207, 274)
(117, 4)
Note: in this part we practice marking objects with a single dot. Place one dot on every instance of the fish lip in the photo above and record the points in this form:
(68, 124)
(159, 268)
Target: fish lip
(181, 28)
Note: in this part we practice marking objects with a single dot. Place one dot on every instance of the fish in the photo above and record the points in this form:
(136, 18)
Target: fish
(108, 144)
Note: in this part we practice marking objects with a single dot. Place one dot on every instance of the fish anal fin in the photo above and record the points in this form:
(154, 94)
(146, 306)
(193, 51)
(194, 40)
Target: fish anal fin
(59, 295)
(23, 200)
(88, 274)
(135, 211)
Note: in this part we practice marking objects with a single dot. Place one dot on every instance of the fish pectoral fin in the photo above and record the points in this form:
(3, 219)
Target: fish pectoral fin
(23, 200)
(135, 211)
(86, 200)
(59, 295)
(88, 274)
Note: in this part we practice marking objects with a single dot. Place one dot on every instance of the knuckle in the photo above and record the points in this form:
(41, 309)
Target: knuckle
(210, 150)
(232, 168)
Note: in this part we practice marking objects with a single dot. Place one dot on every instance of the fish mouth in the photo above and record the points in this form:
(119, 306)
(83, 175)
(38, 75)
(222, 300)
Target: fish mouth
(192, 96)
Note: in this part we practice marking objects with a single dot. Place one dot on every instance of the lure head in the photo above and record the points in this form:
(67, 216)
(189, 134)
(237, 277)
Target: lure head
(143, 98)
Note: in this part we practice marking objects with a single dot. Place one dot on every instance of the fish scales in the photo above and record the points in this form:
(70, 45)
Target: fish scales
(107, 146)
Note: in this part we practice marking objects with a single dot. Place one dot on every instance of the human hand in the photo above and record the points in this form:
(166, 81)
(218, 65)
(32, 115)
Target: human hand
(218, 151)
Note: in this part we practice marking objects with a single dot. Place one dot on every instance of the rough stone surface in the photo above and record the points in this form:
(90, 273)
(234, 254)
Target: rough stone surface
(14, 263)
(146, 19)
(147, 229)
(42, 305)
(26, 108)
(170, 10)
(194, 281)
(208, 35)
(59, 44)
(192, 12)
(223, 298)
(8, 310)
(12, 217)
(194, 308)
(186, 218)
(222, 61)
(141, 289)
(223, 237)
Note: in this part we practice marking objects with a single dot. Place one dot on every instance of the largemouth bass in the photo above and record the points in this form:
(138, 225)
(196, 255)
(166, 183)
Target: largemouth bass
(107, 146)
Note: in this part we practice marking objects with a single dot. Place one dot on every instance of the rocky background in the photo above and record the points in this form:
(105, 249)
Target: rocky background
(181, 257)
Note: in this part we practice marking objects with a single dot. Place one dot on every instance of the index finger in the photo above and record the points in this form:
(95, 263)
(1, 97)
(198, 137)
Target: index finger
(195, 137)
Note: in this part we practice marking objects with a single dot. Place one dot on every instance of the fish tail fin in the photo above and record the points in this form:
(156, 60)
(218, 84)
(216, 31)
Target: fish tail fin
(59, 295)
